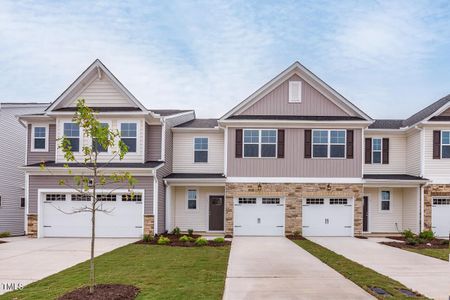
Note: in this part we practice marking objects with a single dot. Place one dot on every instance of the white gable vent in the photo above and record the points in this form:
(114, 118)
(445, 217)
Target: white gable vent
(295, 91)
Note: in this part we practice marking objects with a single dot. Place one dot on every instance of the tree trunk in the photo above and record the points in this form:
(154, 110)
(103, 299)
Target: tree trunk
(92, 269)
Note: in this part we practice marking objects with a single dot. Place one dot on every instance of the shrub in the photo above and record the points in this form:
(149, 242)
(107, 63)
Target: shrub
(176, 231)
(427, 235)
(5, 234)
(147, 238)
(219, 240)
(412, 241)
(201, 241)
(408, 234)
(163, 240)
(190, 232)
(184, 239)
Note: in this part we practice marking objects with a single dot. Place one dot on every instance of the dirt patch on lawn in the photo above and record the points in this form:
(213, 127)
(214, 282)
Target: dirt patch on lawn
(103, 292)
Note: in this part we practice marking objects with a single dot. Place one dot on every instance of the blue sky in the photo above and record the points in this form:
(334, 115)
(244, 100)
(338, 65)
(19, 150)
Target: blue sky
(389, 58)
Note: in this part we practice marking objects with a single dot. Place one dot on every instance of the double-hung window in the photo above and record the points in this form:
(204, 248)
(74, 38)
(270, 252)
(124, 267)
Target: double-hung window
(72, 134)
(128, 132)
(445, 144)
(39, 138)
(328, 143)
(191, 199)
(200, 149)
(260, 142)
(95, 145)
(377, 150)
(385, 200)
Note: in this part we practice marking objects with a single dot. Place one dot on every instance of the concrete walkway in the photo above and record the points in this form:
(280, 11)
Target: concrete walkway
(276, 268)
(24, 260)
(429, 276)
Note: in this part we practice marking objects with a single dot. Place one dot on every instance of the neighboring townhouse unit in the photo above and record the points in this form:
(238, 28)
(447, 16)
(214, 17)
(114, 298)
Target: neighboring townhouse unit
(148, 136)
(12, 180)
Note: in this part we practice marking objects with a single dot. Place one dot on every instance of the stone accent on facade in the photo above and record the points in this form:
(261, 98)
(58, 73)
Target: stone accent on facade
(32, 225)
(149, 224)
(430, 191)
(293, 193)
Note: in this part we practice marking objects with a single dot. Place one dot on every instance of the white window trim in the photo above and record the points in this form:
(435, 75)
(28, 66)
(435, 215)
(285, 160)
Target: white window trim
(391, 198)
(80, 137)
(196, 200)
(207, 150)
(300, 91)
(329, 144)
(381, 151)
(46, 138)
(109, 152)
(259, 143)
(138, 133)
(442, 144)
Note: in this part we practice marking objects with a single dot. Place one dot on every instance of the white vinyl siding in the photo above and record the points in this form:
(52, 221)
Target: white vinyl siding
(397, 157)
(114, 124)
(183, 153)
(413, 151)
(411, 209)
(434, 169)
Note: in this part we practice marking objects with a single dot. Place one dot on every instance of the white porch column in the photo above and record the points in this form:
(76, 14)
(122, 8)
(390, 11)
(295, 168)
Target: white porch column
(169, 225)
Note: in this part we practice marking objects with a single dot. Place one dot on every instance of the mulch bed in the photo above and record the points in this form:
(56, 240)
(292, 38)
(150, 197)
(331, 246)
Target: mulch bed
(103, 292)
(295, 237)
(175, 242)
(2, 242)
(433, 244)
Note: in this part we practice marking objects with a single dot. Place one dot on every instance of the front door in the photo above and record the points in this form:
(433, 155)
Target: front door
(366, 214)
(216, 213)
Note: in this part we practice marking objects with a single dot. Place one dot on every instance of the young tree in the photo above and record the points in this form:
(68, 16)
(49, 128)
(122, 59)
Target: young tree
(94, 177)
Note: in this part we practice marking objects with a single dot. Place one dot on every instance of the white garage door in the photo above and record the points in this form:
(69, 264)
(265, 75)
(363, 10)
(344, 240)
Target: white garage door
(124, 217)
(440, 215)
(259, 216)
(327, 217)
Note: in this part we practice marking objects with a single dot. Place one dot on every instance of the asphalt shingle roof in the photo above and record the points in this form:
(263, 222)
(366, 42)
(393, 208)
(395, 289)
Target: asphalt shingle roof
(200, 123)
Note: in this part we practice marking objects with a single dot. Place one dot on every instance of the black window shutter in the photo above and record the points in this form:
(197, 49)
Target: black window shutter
(368, 151)
(436, 144)
(280, 147)
(349, 143)
(307, 143)
(238, 149)
(385, 151)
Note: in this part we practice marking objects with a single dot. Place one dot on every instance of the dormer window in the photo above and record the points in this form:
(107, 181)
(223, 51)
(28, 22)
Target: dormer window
(295, 91)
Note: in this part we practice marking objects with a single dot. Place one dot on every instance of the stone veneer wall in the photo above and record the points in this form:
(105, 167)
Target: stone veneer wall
(293, 193)
(149, 224)
(32, 225)
(430, 191)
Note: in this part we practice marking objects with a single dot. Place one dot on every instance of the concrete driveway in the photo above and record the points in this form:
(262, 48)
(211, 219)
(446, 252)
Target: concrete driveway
(24, 260)
(427, 275)
(276, 268)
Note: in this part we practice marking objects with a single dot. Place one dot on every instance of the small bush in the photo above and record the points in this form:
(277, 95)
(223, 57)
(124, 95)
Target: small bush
(201, 241)
(427, 235)
(163, 240)
(176, 231)
(184, 239)
(5, 234)
(147, 238)
(412, 241)
(190, 232)
(219, 240)
(191, 239)
(408, 234)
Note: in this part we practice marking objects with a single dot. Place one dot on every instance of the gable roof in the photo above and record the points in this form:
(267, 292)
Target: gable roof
(296, 68)
(429, 111)
(96, 66)
(387, 124)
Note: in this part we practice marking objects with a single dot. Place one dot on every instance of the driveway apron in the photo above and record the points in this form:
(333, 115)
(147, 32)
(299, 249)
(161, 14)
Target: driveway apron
(276, 268)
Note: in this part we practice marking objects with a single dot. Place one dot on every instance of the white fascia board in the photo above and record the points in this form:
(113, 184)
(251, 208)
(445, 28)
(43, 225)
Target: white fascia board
(295, 123)
(293, 180)
(400, 131)
(83, 171)
(393, 183)
(195, 181)
(180, 114)
(191, 129)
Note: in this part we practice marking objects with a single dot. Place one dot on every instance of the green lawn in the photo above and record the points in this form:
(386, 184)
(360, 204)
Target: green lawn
(160, 272)
(436, 253)
(360, 275)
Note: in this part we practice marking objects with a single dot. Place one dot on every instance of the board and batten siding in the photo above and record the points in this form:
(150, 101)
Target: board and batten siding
(197, 219)
(37, 182)
(294, 164)
(153, 142)
(276, 102)
(137, 157)
(413, 154)
(39, 156)
(397, 157)
(183, 153)
(435, 169)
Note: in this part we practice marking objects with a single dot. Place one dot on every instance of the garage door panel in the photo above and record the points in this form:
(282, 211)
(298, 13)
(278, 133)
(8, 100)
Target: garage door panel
(440, 215)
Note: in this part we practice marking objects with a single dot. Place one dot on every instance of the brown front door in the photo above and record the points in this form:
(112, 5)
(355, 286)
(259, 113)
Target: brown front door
(216, 212)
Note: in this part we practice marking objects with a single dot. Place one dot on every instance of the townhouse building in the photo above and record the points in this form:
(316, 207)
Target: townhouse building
(294, 157)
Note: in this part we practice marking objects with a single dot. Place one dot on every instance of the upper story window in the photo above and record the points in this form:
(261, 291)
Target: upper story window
(40, 137)
(192, 199)
(72, 134)
(200, 149)
(328, 143)
(385, 200)
(128, 132)
(260, 143)
(98, 146)
(377, 150)
(445, 144)
(295, 91)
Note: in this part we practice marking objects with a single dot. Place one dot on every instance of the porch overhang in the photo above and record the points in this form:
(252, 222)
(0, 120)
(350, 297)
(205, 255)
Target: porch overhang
(393, 180)
(198, 179)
